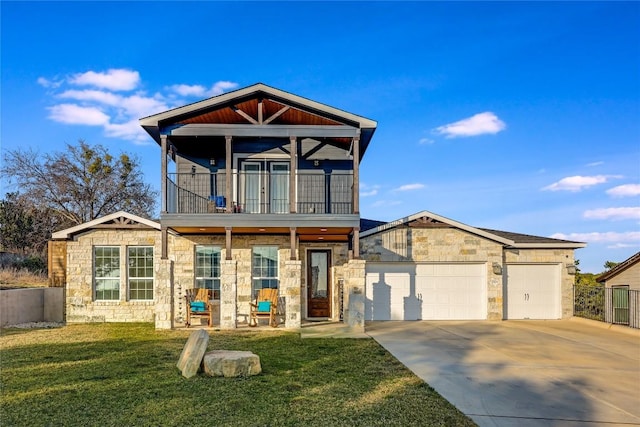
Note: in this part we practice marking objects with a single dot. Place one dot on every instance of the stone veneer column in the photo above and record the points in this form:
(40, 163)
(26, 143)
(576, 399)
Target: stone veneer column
(228, 291)
(163, 293)
(354, 294)
(290, 290)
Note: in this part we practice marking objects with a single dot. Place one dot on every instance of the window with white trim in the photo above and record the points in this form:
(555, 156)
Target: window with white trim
(264, 267)
(140, 274)
(208, 267)
(106, 272)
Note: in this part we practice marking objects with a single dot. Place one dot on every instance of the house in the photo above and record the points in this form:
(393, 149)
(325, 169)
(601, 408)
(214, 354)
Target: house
(622, 292)
(260, 189)
(627, 273)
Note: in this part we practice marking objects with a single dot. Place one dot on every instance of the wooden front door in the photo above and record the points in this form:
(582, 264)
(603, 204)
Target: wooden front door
(318, 283)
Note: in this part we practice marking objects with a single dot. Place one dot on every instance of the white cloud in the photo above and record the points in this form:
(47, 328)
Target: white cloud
(578, 183)
(99, 96)
(77, 115)
(221, 87)
(106, 106)
(113, 79)
(597, 237)
(130, 130)
(595, 164)
(369, 193)
(479, 124)
(49, 84)
(613, 213)
(410, 187)
(188, 90)
(425, 141)
(626, 190)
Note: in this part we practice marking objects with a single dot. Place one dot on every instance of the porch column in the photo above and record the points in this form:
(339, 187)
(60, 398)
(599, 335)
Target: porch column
(228, 243)
(356, 175)
(290, 290)
(354, 289)
(293, 143)
(229, 178)
(163, 174)
(228, 293)
(163, 295)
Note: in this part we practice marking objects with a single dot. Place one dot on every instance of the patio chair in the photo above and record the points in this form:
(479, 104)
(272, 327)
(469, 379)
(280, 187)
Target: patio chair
(198, 304)
(266, 306)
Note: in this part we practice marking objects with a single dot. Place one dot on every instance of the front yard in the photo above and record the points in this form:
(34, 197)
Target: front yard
(125, 374)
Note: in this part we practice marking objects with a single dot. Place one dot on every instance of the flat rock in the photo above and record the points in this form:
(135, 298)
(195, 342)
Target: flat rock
(192, 353)
(228, 363)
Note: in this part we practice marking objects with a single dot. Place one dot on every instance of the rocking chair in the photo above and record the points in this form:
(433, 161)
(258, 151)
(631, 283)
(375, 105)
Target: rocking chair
(198, 305)
(266, 306)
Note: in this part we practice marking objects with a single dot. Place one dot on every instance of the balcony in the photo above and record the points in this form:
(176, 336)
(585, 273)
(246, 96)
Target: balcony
(261, 192)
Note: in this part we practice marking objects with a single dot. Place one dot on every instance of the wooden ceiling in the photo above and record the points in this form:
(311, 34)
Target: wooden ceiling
(305, 234)
(262, 111)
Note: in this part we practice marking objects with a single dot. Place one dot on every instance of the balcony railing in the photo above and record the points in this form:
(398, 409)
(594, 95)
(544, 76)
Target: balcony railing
(261, 192)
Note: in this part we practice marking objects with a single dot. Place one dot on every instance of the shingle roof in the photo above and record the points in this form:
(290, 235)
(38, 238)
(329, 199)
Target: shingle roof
(368, 224)
(525, 238)
(633, 259)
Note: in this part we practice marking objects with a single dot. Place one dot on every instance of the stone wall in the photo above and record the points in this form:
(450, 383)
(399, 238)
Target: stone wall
(80, 303)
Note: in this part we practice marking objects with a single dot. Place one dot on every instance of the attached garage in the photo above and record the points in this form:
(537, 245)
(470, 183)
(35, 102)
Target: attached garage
(428, 267)
(425, 291)
(533, 291)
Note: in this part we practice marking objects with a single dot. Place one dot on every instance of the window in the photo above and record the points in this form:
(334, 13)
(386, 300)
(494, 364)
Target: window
(106, 272)
(264, 265)
(140, 261)
(208, 268)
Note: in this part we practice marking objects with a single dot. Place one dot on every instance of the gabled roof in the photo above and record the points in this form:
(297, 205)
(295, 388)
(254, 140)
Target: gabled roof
(259, 105)
(514, 240)
(629, 262)
(115, 220)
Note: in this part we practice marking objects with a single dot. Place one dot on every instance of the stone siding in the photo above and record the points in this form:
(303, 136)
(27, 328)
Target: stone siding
(80, 303)
(173, 276)
(455, 245)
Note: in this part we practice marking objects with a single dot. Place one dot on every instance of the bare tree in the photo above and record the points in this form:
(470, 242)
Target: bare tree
(81, 184)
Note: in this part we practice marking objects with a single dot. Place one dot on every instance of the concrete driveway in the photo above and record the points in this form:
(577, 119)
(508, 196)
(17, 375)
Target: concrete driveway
(524, 373)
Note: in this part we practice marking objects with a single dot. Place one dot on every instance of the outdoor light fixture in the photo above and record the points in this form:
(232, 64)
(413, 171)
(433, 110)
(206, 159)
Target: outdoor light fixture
(212, 161)
(193, 170)
(497, 269)
(571, 269)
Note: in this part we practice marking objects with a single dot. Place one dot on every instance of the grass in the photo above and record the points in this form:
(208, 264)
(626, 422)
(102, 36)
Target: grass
(13, 278)
(125, 375)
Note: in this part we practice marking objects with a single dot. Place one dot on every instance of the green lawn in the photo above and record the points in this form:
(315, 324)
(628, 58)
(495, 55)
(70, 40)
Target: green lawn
(125, 375)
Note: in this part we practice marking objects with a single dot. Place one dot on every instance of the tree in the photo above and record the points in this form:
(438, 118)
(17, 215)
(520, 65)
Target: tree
(15, 224)
(81, 184)
(608, 265)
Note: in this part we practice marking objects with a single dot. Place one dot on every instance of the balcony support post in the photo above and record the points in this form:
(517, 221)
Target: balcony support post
(356, 177)
(293, 142)
(163, 174)
(229, 177)
(228, 243)
(356, 243)
(164, 243)
(294, 248)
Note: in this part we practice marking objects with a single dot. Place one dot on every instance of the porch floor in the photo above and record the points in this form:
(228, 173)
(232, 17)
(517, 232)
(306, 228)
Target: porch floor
(315, 329)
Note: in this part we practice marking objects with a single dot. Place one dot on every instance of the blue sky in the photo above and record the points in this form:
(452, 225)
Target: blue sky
(515, 116)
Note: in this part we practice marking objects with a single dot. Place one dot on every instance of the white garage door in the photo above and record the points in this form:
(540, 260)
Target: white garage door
(533, 291)
(420, 291)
